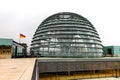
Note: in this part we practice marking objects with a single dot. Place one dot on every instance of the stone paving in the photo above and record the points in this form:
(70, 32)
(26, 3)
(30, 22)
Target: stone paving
(16, 69)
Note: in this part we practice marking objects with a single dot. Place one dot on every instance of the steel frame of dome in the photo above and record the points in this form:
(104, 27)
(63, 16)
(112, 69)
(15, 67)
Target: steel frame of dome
(66, 34)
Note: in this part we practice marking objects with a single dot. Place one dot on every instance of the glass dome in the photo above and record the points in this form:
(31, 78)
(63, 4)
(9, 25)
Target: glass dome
(66, 34)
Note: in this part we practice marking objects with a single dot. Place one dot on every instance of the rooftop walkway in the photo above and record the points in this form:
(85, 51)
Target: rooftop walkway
(17, 69)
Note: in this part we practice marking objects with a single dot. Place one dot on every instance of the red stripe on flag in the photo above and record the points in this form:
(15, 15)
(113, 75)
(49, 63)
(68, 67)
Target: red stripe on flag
(22, 36)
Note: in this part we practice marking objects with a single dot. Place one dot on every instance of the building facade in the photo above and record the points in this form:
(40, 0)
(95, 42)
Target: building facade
(66, 35)
(111, 51)
(11, 49)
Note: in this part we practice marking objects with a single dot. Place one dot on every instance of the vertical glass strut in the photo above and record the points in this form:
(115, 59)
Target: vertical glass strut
(66, 35)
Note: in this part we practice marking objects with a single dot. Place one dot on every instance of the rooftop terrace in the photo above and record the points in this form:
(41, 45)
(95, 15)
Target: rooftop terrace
(32, 68)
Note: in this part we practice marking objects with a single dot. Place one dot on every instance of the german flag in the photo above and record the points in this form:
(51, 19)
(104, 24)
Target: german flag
(22, 36)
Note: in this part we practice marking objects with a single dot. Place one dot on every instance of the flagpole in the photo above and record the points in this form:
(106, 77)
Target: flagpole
(21, 36)
(19, 40)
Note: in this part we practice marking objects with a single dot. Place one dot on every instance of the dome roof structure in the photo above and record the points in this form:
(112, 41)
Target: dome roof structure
(66, 34)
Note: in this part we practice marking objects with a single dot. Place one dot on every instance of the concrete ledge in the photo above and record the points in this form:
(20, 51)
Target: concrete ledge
(17, 69)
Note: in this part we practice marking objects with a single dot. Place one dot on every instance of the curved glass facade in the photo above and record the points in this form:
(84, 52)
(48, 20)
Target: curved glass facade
(66, 35)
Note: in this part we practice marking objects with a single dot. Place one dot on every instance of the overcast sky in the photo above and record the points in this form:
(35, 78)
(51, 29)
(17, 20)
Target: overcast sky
(24, 16)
